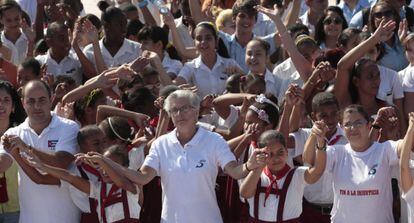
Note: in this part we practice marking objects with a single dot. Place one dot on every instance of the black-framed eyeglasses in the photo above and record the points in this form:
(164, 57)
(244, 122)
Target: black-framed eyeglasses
(331, 20)
(357, 124)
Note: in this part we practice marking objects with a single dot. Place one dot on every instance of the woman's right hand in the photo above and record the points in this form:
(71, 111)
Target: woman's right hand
(320, 129)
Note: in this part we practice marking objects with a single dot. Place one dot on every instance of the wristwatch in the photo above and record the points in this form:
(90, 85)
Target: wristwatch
(323, 148)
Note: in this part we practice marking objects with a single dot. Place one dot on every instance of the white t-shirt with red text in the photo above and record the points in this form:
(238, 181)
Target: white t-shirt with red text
(362, 182)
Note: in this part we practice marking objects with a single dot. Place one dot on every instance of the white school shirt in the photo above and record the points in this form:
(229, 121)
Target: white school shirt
(188, 175)
(304, 19)
(36, 200)
(207, 81)
(136, 157)
(18, 49)
(407, 76)
(293, 202)
(320, 192)
(362, 182)
(115, 212)
(409, 198)
(271, 82)
(264, 25)
(69, 66)
(391, 87)
(171, 66)
(285, 74)
(128, 52)
(79, 198)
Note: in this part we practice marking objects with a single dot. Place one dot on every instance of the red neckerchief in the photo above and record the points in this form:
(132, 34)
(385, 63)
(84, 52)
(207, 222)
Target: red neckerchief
(108, 199)
(91, 170)
(280, 174)
(154, 121)
(130, 147)
(334, 140)
(253, 144)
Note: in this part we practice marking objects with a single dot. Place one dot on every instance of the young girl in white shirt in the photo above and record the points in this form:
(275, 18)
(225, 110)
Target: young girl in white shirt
(274, 192)
(406, 178)
(117, 197)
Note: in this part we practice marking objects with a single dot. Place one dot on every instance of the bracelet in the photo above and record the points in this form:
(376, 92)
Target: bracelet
(323, 148)
(245, 165)
(143, 4)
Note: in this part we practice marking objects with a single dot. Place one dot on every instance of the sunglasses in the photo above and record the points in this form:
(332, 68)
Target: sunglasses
(330, 20)
(387, 14)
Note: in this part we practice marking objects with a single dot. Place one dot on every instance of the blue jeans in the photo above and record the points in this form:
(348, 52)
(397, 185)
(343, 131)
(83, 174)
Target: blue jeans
(12, 217)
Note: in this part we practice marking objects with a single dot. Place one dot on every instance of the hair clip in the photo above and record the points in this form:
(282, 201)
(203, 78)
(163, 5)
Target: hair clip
(262, 115)
(262, 99)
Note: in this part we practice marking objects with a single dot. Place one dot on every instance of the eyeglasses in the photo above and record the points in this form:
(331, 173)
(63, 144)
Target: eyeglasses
(184, 109)
(387, 14)
(357, 124)
(331, 20)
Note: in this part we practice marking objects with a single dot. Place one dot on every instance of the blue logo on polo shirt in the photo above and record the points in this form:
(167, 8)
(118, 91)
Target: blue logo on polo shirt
(200, 163)
(51, 144)
(373, 170)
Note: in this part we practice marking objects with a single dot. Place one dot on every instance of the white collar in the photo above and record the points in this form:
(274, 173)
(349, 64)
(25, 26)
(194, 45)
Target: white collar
(198, 63)
(125, 48)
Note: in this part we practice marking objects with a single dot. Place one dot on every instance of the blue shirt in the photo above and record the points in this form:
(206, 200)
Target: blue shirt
(238, 52)
(394, 57)
(348, 13)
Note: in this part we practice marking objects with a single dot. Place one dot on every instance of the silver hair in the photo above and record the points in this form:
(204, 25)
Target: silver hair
(191, 97)
(271, 135)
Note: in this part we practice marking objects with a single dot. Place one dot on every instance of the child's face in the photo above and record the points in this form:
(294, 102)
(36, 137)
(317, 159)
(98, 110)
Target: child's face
(150, 45)
(277, 155)
(409, 52)
(244, 22)
(94, 143)
(252, 118)
(329, 114)
(205, 41)
(59, 42)
(24, 76)
(256, 57)
(11, 19)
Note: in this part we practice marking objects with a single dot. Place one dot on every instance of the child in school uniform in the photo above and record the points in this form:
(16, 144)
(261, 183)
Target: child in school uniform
(118, 198)
(406, 178)
(274, 192)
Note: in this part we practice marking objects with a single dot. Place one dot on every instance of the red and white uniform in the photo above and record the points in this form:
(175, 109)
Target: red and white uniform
(362, 182)
(409, 198)
(267, 209)
(115, 204)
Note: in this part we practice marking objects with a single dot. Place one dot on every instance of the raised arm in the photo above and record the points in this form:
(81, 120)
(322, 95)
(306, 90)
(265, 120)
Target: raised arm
(315, 172)
(196, 12)
(303, 66)
(316, 139)
(347, 62)
(293, 97)
(185, 52)
(222, 103)
(105, 111)
(148, 18)
(406, 144)
(87, 66)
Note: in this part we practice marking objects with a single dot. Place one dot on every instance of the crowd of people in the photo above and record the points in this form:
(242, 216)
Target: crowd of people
(208, 111)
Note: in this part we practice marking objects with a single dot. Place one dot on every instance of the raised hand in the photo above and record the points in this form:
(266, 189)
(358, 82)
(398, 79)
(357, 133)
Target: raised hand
(168, 19)
(386, 117)
(319, 129)
(28, 31)
(294, 95)
(258, 158)
(403, 30)
(90, 31)
(411, 120)
(385, 30)
(274, 14)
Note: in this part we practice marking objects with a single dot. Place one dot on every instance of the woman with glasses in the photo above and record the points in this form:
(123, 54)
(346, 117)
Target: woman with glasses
(393, 57)
(361, 169)
(329, 27)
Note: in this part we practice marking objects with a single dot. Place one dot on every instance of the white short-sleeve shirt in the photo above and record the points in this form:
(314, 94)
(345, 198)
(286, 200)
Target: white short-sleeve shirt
(362, 182)
(18, 49)
(37, 201)
(320, 192)
(407, 76)
(264, 25)
(115, 212)
(293, 202)
(285, 74)
(207, 81)
(69, 66)
(136, 157)
(188, 175)
(128, 52)
(171, 66)
(390, 86)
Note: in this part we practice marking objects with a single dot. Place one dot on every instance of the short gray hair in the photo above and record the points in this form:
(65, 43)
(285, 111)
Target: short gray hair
(191, 97)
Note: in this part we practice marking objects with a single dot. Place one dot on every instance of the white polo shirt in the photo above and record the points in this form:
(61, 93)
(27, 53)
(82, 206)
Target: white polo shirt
(293, 202)
(188, 175)
(128, 52)
(115, 212)
(46, 203)
(407, 76)
(320, 192)
(390, 86)
(304, 19)
(69, 66)
(207, 81)
(271, 82)
(285, 74)
(264, 25)
(171, 66)
(18, 49)
(362, 182)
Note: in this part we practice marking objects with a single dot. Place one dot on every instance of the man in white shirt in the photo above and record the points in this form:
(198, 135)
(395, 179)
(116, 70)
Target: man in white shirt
(315, 12)
(51, 138)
